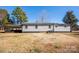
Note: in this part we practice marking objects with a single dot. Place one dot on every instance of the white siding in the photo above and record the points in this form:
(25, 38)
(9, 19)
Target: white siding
(45, 28)
(33, 28)
(62, 28)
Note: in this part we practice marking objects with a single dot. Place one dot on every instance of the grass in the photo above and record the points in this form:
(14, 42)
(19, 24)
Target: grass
(39, 42)
(73, 34)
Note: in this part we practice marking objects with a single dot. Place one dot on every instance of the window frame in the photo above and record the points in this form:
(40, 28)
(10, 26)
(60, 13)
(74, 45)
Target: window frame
(26, 26)
(49, 26)
(36, 26)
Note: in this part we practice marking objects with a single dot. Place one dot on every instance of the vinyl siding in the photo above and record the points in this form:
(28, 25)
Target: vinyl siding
(40, 28)
(62, 28)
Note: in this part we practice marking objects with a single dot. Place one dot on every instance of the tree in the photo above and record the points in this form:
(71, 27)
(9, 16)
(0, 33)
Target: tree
(5, 20)
(71, 20)
(19, 14)
(4, 16)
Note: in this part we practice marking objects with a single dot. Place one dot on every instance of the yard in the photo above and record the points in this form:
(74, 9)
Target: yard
(39, 42)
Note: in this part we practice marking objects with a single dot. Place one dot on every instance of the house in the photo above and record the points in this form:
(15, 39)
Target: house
(45, 27)
(10, 28)
(13, 28)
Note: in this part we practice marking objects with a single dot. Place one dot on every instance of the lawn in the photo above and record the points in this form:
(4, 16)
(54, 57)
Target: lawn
(39, 42)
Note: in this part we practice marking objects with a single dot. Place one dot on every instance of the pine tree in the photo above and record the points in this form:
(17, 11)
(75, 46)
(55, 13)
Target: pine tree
(19, 14)
(71, 20)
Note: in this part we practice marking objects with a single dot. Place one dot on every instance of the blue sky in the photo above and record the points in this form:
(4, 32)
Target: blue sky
(54, 14)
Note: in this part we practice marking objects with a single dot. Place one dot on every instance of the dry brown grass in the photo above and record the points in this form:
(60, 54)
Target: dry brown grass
(74, 34)
(38, 42)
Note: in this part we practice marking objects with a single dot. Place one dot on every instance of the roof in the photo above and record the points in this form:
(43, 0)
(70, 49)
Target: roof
(45, 24)
(15, 26)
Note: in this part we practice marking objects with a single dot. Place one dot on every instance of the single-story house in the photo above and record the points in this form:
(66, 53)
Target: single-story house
(13, 28)
(10, 28)
(45, 27)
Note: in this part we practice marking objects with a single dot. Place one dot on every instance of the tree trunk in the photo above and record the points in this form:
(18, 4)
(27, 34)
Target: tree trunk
(70, 28)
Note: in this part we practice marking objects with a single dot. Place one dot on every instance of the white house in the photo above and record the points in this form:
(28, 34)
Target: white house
(45, 27)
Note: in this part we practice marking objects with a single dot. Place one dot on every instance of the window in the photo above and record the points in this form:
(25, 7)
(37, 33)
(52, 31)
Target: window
(65, 26)
(49, 26)
(26, 26)
(56, 26)
(36, 26)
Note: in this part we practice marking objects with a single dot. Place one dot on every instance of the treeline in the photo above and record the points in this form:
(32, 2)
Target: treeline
(16, 17)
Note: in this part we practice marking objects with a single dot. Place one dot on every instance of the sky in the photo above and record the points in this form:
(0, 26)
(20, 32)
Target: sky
(53, 14)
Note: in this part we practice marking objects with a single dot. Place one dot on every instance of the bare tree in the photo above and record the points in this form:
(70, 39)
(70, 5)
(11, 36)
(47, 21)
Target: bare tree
(42, 17)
